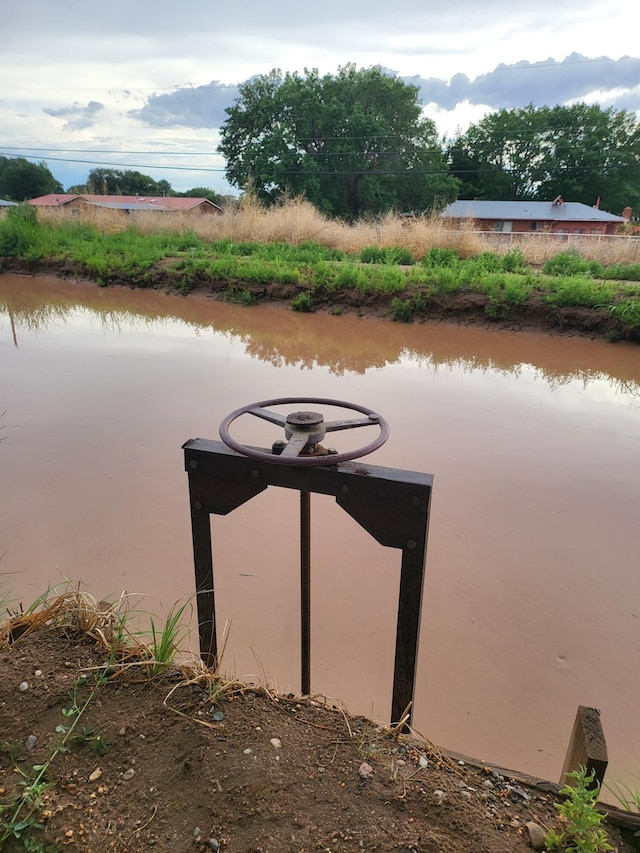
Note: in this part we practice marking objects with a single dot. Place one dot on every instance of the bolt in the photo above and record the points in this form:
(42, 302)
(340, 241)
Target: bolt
(331, 451)
(197, 505)
(193, 464)
(255, 473)
(277, 447)
(412, 544)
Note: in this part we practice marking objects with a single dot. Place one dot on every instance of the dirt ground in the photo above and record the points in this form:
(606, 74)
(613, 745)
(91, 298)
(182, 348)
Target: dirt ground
(181, 762)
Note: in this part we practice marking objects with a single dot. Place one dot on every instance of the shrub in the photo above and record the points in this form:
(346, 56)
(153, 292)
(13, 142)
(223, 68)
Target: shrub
(372, 255)
(302, 302)
(571, 263)
(401, 310)
(436, 257)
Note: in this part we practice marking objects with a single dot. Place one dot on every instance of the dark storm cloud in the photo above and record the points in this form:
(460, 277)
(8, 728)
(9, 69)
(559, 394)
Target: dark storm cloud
(77, 117)
(197, 106)
(539, 83)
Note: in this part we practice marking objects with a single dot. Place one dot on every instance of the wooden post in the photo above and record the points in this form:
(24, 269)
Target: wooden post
(587, 746)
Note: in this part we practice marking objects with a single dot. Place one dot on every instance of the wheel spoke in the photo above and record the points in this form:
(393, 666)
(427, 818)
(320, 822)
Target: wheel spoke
(350, 423)
(266, 415)
(296, 444)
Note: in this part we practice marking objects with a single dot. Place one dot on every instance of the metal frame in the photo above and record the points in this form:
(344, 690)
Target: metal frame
(390, 504)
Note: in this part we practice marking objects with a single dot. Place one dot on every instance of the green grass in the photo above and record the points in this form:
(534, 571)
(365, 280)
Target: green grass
(319, 272)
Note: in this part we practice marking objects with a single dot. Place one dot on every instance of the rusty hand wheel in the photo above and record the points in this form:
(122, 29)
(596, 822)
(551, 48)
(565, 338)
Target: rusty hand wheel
(304, 431)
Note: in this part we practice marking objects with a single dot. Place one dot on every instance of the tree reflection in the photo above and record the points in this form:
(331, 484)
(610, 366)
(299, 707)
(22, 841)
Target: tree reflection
(345, 344)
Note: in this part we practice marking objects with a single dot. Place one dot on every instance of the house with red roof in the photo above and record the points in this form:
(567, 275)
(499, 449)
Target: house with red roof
(126, 203)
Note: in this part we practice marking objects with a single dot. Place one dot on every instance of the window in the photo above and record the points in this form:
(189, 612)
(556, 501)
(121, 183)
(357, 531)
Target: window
(534, 226)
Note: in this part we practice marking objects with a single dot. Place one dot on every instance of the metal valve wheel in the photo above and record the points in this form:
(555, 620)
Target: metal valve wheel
(304, 430)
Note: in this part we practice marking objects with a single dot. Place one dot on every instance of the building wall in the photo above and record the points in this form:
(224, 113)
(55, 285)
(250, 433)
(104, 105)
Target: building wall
(521, 226)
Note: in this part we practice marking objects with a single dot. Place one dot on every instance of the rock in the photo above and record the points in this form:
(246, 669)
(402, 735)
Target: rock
(218, 716)
(247, 751)
(488, 783)
(275, 742)
(213, 844)
(517, 793)
(536, 835)
(423, 761)
(129, 774)
(196, 832)
(365, 770)
(30, 743)
(466, 794)
(439, 797)
(97, 773)
(38, 673)
(24, 686)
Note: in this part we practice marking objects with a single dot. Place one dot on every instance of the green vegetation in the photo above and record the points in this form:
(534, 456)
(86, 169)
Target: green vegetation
(352, 143)
(581, 832)
(20, 179)
(311, 274)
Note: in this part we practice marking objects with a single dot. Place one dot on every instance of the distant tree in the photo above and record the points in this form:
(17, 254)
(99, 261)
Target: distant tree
(580, 152)
(77, 189)
(202, 192)
(353, 143)
(21, 180)
(116, 182)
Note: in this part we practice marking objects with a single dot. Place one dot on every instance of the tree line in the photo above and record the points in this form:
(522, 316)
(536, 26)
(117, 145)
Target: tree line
(357, 143)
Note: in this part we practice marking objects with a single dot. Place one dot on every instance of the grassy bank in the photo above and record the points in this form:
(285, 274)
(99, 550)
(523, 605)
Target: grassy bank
(406, 270)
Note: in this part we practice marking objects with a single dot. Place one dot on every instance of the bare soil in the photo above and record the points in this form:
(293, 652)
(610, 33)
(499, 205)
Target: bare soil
(184, 763)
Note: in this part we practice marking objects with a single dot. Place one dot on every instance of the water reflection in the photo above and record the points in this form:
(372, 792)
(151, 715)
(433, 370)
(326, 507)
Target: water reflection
(342, 344)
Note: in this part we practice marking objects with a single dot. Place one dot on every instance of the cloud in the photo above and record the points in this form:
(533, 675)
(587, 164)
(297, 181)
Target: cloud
(539, 83)
(196, 106)
(548, 82)
(77, 117)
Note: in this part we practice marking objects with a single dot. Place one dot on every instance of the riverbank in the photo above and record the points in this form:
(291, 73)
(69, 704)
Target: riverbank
(441, 276)
(535, 314)
(108, 747)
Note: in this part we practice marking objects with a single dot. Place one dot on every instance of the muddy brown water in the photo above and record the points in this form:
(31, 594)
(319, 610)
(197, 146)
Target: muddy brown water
(532, 600)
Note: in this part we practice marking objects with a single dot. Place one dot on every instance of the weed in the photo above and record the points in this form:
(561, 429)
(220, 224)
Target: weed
(95, 742)
(19, 817)
(582, 832)
(437, 257)
(302, 302)
(240, 297)
(401, 310)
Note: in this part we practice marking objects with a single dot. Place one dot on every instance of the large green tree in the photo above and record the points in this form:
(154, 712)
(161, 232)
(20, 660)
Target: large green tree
(352, 143)
(21, 180)
(583, 153)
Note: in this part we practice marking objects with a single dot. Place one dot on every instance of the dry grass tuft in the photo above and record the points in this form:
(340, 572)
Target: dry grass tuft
(75, 611)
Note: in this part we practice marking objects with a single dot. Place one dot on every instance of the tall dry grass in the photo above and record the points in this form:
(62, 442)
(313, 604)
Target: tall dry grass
(295, 221)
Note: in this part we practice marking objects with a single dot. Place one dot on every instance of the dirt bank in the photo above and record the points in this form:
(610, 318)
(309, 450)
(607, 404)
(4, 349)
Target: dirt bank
(180, 763)
(535, 314)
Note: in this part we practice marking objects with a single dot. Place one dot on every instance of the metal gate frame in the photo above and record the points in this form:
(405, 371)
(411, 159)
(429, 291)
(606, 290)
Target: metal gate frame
(389, 503)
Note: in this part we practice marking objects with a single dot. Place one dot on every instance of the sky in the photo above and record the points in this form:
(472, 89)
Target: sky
(143, 84)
